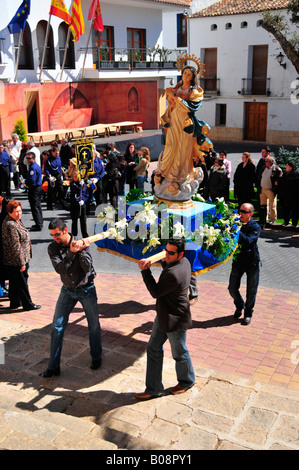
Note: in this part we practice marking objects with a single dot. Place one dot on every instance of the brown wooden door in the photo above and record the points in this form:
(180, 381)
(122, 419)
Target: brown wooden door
(210, 61)
(259, 69)
(255, 121)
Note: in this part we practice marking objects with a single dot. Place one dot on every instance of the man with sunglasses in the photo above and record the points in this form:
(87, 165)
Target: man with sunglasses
(72, 260)
(172, 320)
(246, 261)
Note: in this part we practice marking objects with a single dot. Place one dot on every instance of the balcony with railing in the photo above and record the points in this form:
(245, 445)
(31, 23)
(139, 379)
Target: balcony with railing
(105, 58)
(210, 85)
(255, 86)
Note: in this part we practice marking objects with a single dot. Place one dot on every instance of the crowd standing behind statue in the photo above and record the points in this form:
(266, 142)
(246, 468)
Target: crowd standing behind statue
(113, 170)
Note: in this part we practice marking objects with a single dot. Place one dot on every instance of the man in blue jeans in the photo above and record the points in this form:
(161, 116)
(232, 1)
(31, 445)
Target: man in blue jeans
(247, 261)
(72, 260)
(172, 320)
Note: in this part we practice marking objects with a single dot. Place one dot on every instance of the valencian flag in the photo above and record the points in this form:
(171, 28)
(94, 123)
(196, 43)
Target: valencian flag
(77, 24)
(96, 15)
(18, 22)
(59, 9)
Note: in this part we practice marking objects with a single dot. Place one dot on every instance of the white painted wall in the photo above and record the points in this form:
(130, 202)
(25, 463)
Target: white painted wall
(233, 56)
(120, 14)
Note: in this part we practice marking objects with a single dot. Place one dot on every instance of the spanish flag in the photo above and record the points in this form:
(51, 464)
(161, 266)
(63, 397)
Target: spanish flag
(77, 24)
(59, 9)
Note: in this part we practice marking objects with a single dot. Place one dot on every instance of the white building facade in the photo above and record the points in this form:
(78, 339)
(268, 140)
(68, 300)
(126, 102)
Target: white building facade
(249, 96)
(139, 45)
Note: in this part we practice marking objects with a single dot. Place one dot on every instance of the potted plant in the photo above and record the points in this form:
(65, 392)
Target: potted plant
(139, 61)
(164, 53)
(152, 52)
(121, 63)
(105, 58)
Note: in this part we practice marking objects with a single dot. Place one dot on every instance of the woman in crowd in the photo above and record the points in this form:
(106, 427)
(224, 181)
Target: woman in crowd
(228, 168)
(244, 179)
(200, 162)
(78, 200)
(142, 166)
(289, 194)
(131, 157)
(16, 256)
(217, 183)
(112, 178)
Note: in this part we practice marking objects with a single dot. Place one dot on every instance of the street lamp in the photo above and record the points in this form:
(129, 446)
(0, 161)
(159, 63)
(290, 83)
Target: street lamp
(280, 58)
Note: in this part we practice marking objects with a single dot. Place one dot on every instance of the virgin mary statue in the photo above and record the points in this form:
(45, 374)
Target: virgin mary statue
(185, 138)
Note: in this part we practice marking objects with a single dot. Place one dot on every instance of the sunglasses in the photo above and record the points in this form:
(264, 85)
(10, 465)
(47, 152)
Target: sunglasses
(245, 212)
(171, 253)
(55, 235)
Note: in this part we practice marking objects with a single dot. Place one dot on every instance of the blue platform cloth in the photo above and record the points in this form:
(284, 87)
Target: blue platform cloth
(200, 260)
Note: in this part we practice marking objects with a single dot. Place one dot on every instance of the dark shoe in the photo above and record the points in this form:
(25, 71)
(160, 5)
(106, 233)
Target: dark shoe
(96, 364)
(179, 389)
(35, 228)
(147, 396)
(193, 300)
(246, 320)
(237, 313)
(33, 307)
(50, 372)
(14, 306)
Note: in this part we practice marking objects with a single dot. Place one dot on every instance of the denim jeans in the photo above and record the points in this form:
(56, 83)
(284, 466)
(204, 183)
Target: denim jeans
(140, 182)
(155, 353)
(252, 272)
(66, 302)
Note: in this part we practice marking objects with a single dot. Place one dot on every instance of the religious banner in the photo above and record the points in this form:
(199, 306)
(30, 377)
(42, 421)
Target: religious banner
(84, 157)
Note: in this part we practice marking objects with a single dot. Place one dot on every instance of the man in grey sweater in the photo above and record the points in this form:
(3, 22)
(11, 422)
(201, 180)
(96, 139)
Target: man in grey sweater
(172, 320)
(72, 260)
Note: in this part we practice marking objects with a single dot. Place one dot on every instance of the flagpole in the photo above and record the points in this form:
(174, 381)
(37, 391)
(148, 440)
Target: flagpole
(65, 52)
(86, 49)
(44, 50)
(19, 52)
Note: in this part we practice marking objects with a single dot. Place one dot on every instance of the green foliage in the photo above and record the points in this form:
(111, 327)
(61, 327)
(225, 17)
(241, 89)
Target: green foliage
(286, 155)
(20, 130)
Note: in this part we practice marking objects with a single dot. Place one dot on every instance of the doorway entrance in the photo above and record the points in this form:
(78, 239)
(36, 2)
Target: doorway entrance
(255, 121)
(32, 108)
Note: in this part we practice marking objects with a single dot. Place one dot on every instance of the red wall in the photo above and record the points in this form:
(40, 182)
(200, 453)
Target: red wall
(71, 105)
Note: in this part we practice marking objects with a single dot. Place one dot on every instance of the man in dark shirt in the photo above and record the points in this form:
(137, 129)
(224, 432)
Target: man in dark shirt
(72, 260)
(6, 172)
(246, 261)
(54, 176)
(34, 184)
(172, 321)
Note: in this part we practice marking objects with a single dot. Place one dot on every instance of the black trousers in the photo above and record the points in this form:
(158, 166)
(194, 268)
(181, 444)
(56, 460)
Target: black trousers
(5, 181)
(78, 213)
(18, 292)
(35, 201)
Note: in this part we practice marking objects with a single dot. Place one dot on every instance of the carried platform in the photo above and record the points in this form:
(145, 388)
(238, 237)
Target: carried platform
(132, 248)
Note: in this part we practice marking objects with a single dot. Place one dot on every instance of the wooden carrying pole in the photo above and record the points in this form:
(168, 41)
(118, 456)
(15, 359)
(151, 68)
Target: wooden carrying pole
(102, 235)
(156, 257)
(94, 238)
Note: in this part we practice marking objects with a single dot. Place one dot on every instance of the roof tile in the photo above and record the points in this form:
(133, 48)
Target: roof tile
(235, 7)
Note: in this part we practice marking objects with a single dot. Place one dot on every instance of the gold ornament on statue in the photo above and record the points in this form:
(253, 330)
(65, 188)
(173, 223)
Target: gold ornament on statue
(182, 59)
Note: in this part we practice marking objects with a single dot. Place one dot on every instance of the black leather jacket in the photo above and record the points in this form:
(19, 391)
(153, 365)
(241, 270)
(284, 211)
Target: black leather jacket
(248, 237)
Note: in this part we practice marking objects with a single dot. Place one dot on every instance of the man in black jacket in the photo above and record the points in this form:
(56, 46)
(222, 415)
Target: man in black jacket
(172, 321)
(73, 262)
(246, 261)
